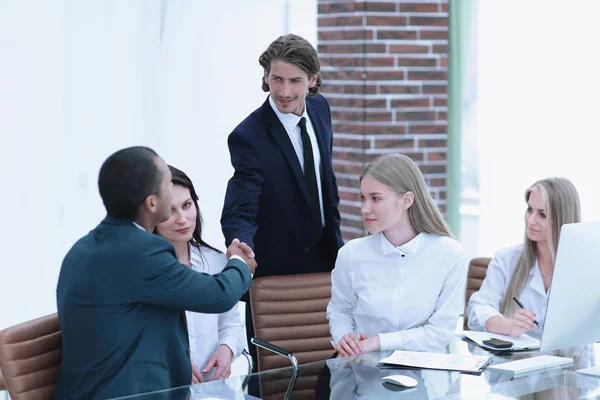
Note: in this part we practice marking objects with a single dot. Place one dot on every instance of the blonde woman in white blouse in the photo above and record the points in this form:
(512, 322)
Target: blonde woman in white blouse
(215, 339)
(525, 271)
(403, 286)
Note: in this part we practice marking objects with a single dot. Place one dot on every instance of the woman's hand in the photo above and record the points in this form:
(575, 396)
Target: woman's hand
(348, 345)
(519, 323)
(369, 343)
(196, 375)
(221, 359)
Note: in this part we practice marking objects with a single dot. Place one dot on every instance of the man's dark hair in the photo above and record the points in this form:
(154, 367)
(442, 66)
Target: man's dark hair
(295, 50)
(126, 178)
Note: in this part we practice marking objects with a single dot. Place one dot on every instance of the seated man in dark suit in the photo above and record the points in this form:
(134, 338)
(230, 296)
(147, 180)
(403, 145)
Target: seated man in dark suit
(122, 293)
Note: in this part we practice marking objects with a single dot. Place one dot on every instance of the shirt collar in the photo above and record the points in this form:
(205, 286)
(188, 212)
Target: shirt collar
(290, 121)
(407, 248)
(537, 280)
(138, 226)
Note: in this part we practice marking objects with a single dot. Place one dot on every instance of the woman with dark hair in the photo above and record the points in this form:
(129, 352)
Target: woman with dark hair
(215, 339)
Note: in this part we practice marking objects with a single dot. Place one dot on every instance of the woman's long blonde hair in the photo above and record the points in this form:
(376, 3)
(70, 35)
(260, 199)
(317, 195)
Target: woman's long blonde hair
(402, 175)
(562, 207)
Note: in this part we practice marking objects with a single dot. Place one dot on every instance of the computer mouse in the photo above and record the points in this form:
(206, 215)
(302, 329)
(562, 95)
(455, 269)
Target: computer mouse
(400, 380)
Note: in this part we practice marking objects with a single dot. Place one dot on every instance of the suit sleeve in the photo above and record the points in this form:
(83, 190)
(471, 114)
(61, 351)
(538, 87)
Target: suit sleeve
(158, 278)
(335, 201)
(240, 209)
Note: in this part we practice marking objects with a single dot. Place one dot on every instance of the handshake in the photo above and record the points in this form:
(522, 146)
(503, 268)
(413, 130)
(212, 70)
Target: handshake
(244, 251)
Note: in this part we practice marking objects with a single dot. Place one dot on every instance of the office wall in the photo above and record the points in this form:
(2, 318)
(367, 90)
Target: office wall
(80, 80)
(385, 75)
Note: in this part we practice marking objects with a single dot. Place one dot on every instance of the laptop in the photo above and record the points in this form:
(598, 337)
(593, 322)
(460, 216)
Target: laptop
(573, 312)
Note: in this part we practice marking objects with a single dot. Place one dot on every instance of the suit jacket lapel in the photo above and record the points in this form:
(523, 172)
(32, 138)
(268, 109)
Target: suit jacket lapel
(275, 127)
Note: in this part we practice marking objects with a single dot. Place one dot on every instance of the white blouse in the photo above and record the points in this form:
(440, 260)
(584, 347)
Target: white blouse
(411, 296)
(208, 331)
(485, 303)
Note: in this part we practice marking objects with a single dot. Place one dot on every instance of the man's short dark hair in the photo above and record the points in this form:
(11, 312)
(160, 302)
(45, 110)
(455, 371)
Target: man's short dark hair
(295, 50)
(126, 178)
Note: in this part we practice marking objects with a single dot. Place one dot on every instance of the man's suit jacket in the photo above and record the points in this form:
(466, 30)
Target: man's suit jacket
(121, 295)
(267, 204)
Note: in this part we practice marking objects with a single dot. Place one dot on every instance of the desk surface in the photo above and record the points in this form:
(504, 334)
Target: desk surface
(358, 377)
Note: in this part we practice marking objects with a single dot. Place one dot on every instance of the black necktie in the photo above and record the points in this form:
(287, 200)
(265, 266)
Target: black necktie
(311, 183)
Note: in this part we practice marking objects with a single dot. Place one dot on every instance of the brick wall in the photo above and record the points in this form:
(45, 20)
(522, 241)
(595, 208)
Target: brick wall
(384, 66)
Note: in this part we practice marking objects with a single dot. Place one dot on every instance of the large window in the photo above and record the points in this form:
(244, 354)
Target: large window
(530, 107)
(81, 79)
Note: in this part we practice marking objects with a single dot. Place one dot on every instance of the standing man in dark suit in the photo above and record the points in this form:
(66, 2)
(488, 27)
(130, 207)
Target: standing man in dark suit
(282, 199)
(122, 293)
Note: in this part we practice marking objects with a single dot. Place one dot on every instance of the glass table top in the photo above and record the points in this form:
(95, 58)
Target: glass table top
(359, 377)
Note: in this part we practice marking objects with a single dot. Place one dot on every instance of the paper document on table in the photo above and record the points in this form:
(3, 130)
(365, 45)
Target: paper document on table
(523, 342)
(446, 362)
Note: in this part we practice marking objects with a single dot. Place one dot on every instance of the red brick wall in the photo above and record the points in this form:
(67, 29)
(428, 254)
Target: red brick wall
(384, 66)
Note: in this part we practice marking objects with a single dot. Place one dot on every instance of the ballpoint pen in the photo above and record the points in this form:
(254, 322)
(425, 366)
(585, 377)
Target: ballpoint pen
(523, 307)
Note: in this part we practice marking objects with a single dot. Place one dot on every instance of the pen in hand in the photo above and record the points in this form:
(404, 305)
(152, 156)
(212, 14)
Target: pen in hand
(523, 307)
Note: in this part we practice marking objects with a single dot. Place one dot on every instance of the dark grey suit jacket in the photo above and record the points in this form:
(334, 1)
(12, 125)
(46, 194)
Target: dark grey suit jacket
(121, 295)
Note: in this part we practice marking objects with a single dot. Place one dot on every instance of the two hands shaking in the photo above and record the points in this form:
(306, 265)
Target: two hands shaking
(242, 250)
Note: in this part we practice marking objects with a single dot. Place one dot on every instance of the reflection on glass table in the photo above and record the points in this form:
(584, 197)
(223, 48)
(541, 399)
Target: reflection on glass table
(359, 377)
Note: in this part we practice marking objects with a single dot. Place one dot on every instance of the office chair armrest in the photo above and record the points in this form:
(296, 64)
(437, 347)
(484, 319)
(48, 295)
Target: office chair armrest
(249, 359)
(276, 349)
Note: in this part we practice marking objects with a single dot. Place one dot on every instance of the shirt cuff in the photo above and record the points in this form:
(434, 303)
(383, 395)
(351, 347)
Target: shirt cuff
(390, 341)
(241, 259)
(231, 345)
(237, 258)
(484, 315)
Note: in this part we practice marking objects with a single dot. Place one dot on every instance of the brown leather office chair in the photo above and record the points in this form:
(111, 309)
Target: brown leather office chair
(30, 355)
(2, 383)
(289, 311)
(477, 270)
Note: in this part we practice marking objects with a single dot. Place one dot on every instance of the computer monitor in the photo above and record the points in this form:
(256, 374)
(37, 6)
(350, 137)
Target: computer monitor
(573, 311)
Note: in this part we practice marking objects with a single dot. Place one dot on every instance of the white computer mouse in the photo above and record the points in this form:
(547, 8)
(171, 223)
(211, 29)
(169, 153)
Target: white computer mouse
(400, 380)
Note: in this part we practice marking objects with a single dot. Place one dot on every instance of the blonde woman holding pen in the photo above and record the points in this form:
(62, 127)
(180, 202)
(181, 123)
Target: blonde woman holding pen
(523, 273)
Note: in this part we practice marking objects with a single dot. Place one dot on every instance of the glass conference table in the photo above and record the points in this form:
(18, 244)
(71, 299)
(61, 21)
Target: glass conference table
(358, 377)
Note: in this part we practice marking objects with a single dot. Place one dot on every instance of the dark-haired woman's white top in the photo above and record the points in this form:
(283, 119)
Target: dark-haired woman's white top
(411, 296)
(208, 331)
(486, 303)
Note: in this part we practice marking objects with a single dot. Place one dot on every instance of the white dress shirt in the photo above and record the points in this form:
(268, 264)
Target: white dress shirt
(485, 303)
(290, 123)
(411, 296)
(208, 331)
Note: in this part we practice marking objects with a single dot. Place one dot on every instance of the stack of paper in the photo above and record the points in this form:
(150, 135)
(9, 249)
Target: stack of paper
(446, 362)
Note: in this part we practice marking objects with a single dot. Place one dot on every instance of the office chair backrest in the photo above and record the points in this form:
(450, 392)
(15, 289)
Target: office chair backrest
(2, 383)
(477, 270)
(30, 355)
(289, 311)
